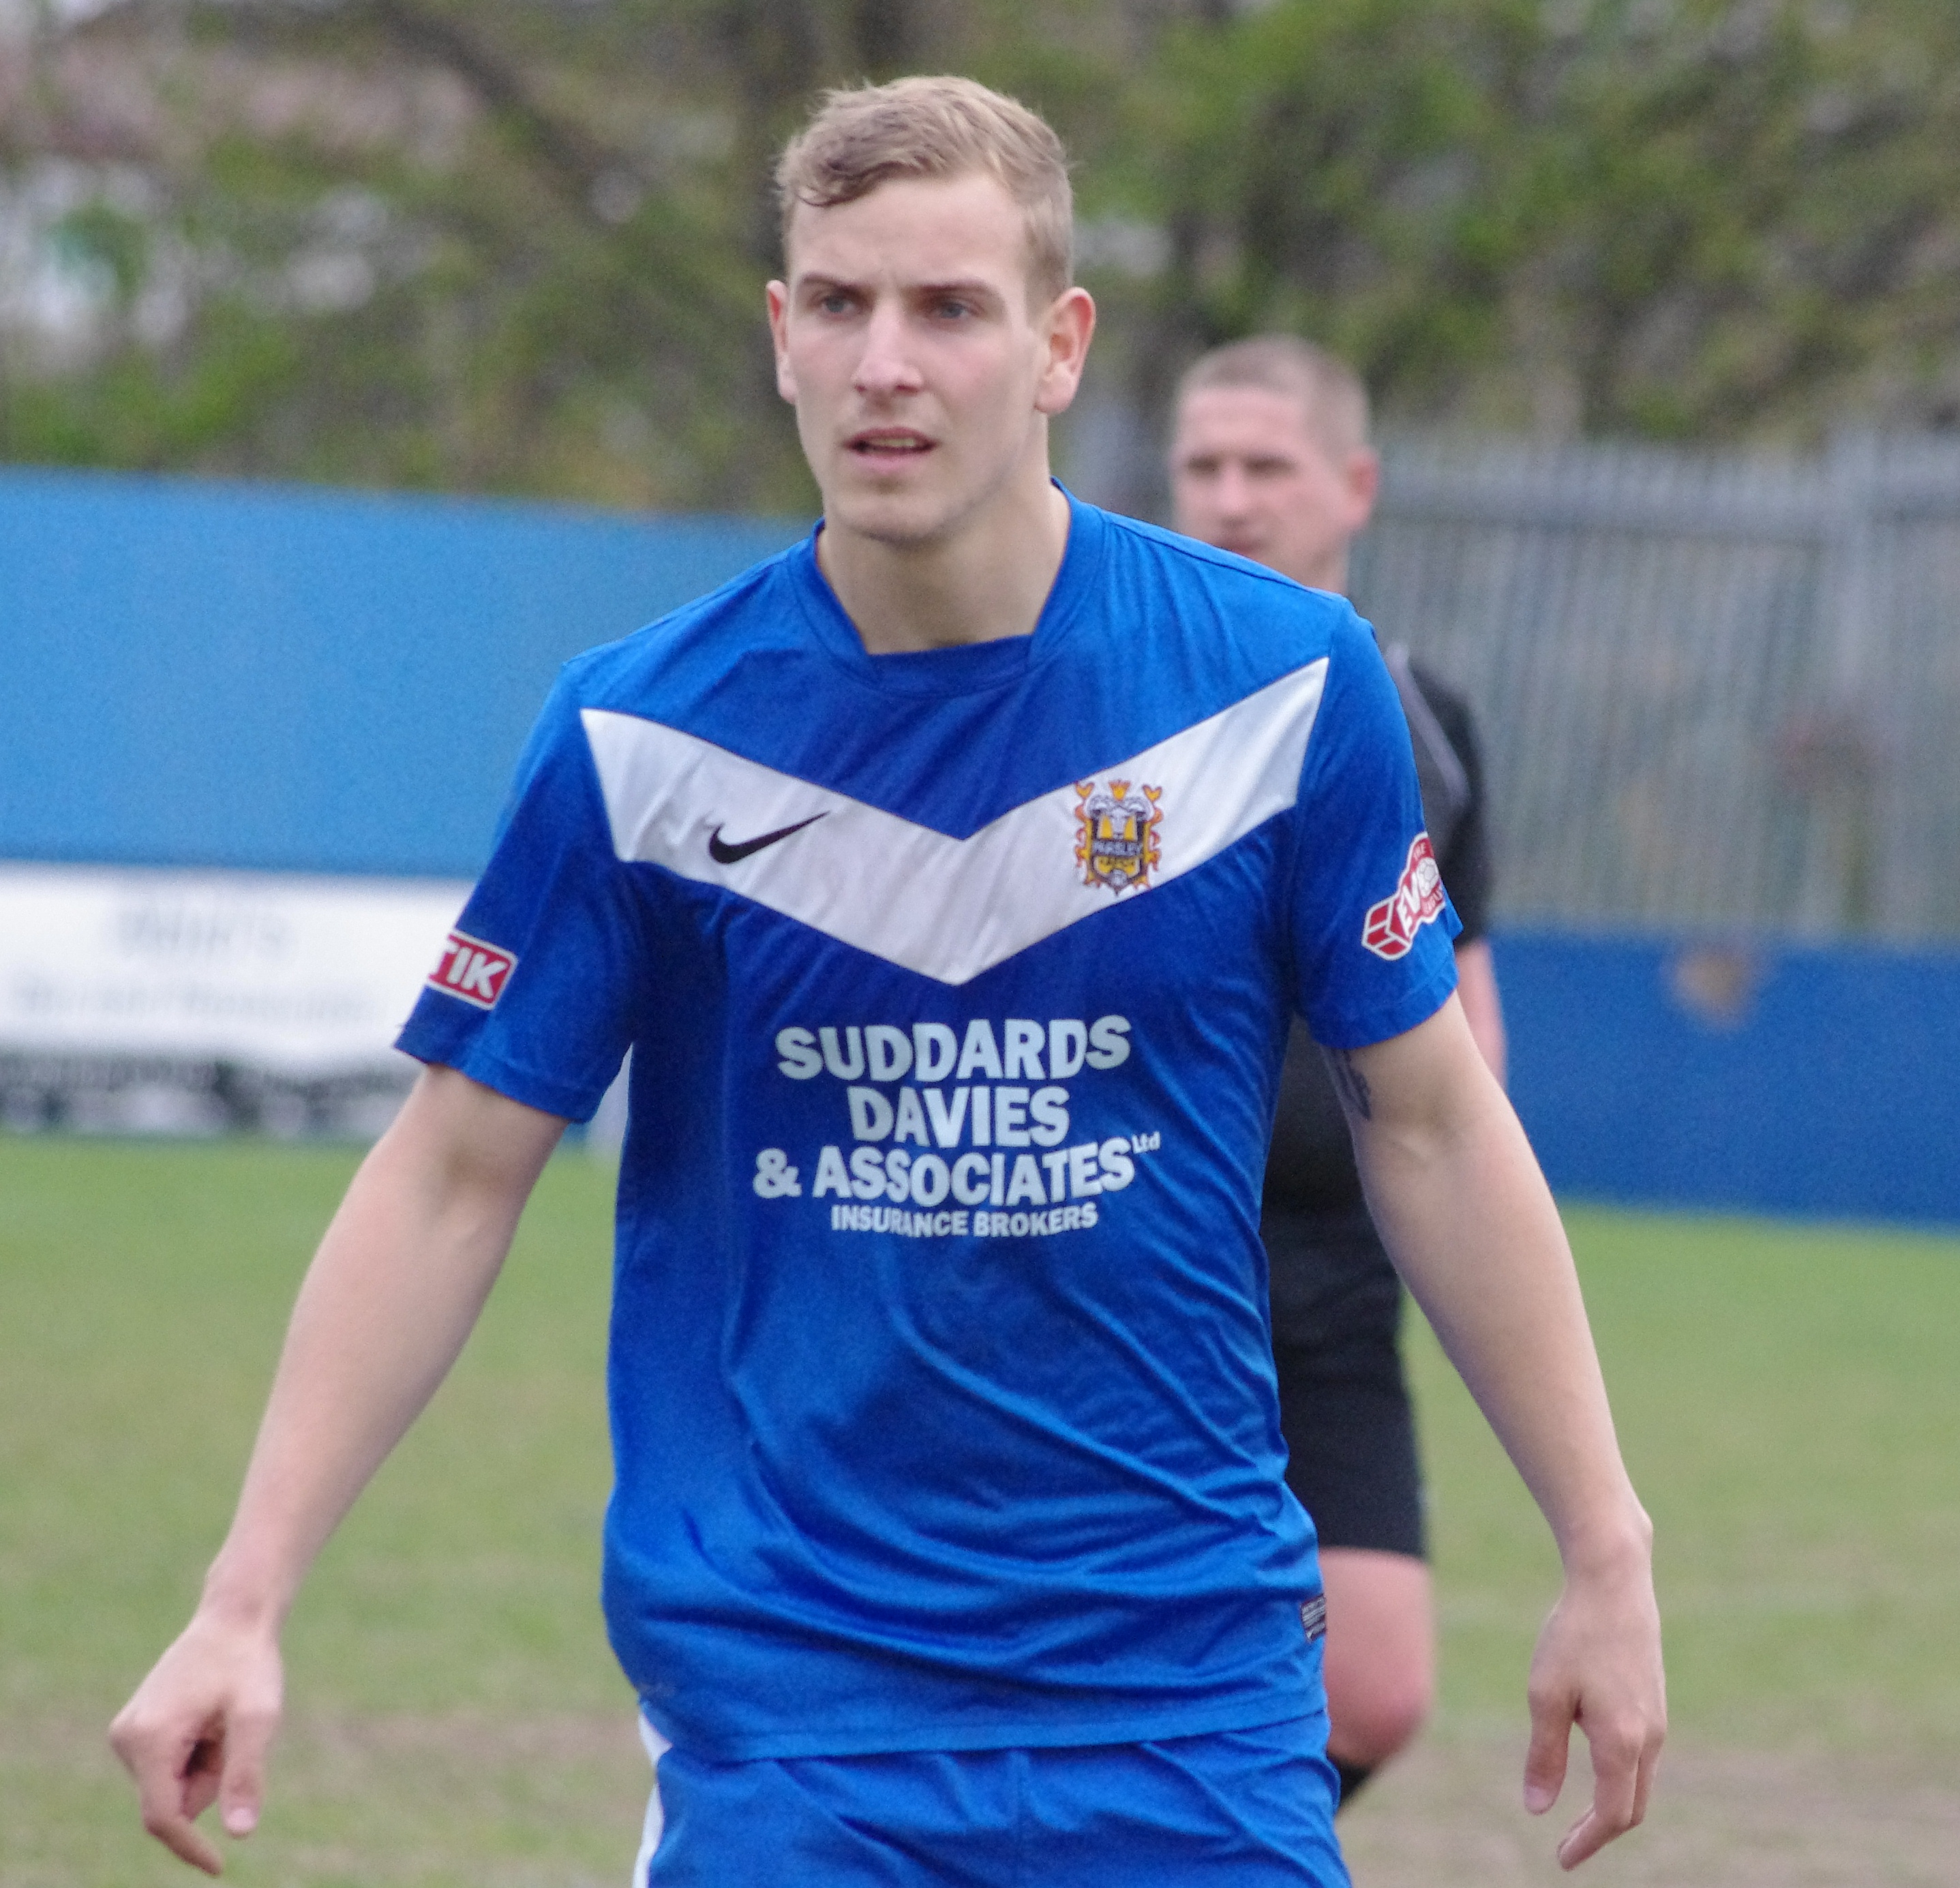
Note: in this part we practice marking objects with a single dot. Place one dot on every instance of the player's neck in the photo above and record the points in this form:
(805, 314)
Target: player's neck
(986, 579)
(1330, 573)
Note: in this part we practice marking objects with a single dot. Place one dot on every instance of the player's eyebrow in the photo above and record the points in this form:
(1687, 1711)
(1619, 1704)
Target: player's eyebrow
(812, 283)
(971, 288)
(967, 291)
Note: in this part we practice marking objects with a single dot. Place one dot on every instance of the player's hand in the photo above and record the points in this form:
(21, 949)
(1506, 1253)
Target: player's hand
(1598, 1666)
(198, 1731)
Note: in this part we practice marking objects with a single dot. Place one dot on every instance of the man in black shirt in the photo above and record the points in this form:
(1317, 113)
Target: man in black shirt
(1270, 458)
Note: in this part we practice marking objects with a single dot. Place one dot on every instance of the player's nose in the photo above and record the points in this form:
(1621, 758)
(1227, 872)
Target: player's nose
(886, 363)
(1232, 492)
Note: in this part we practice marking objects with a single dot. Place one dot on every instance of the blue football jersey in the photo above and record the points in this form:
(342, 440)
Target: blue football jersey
(956, 984)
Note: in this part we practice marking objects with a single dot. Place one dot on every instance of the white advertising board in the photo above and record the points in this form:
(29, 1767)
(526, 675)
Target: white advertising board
(301, 977)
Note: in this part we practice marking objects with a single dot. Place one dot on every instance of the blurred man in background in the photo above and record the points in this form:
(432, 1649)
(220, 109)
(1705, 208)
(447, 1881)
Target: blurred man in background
(1270, 458)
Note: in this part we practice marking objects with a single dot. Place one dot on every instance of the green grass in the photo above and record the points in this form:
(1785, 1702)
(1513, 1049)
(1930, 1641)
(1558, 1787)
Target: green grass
(456, 1716)
(1788, 1399)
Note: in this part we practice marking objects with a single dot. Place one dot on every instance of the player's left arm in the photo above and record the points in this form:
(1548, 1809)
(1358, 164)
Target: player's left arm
(1459, 1200)
(1483, 1009)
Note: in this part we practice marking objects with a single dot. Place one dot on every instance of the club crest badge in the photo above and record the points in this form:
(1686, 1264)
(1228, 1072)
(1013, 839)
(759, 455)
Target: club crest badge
(1116, 834)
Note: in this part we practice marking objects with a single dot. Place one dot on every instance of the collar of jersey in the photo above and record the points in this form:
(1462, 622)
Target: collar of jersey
(971, 668)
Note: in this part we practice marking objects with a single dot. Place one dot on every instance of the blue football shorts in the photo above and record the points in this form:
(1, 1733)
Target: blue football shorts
(1233, 1808)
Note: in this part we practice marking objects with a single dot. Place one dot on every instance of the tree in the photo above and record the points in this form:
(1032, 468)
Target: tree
(498, 247)
(1669, 217)
(518, 245)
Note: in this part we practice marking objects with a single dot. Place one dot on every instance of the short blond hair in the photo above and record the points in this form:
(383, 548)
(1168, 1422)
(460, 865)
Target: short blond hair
(864, 136)
(1330, 392)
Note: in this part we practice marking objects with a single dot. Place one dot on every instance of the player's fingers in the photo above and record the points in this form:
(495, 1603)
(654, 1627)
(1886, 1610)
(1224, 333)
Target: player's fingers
(1585, 1838)
(1644, 1788)
(184, 1839)
(1617, 1755)
(1545, 1762)
(163, 1786)
(243, 1787)
(201, 1776)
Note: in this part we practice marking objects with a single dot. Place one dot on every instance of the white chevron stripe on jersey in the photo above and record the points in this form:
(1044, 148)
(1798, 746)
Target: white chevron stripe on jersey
(947, 908)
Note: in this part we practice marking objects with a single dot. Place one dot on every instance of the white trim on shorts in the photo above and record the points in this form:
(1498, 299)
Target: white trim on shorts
(657, 1747)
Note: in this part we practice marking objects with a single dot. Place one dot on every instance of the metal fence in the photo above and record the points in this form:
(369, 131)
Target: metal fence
(1715, 692)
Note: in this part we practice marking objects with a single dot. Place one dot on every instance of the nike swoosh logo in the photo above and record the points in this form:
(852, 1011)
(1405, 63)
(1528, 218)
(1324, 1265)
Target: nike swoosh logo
(724, 853)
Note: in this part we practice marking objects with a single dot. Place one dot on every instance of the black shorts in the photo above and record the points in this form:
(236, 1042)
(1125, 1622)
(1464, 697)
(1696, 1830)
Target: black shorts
(1343, 1400)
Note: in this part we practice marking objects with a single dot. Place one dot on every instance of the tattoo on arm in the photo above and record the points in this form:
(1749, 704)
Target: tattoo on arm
(1350, 1083)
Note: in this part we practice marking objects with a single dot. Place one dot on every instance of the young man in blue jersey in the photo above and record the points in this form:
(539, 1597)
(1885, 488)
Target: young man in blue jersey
(953, 878)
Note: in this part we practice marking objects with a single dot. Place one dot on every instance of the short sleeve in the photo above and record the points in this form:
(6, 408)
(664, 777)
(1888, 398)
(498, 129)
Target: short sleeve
(535, 993)
(1371, 925)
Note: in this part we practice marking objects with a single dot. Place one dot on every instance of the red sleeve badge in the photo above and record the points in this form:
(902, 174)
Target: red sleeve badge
(1390, 927)
(472, 969)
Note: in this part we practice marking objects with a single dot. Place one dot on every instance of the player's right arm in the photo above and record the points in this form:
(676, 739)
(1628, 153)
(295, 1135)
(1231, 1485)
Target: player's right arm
(387, 1306)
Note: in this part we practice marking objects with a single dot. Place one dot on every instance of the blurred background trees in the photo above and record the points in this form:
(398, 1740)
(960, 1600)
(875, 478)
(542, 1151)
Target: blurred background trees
(518, 245)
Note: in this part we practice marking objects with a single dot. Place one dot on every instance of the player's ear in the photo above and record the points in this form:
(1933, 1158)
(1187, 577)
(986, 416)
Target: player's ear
(1068, 326)
(778, 296)
(1364, 485)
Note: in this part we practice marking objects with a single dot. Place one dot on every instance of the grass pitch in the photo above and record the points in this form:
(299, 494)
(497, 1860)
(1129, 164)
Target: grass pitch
(1787, 1398)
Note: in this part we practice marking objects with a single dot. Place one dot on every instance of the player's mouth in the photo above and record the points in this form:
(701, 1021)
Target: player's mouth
(888, 445)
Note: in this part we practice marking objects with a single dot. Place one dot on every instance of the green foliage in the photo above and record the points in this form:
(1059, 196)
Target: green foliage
(1664, 217)
(1336, 169)
(506, 247)
(101, 239)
